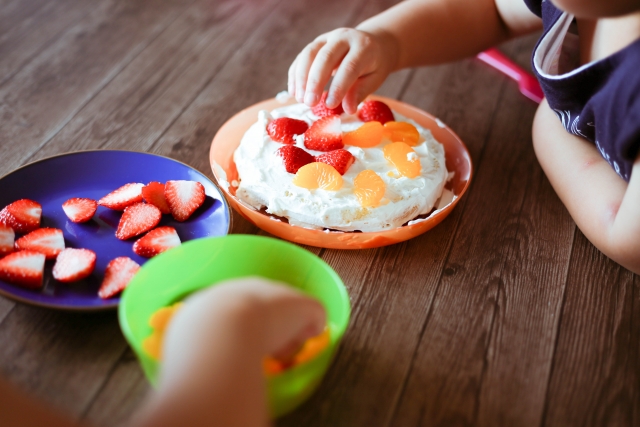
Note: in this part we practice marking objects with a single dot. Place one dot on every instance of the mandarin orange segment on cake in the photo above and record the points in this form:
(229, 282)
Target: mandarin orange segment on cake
(402, 132)
(369, 188)
(366, 136)
(404, 158)
(318, 175)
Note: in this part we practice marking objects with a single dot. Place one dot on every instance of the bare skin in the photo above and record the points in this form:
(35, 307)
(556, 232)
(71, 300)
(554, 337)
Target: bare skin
(212, 359)
(604, 206)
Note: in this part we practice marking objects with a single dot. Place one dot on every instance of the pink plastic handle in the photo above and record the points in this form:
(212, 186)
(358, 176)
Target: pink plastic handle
(527, 83)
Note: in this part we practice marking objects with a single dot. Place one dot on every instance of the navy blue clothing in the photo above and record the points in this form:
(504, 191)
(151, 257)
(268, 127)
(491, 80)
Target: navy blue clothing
(599, 101)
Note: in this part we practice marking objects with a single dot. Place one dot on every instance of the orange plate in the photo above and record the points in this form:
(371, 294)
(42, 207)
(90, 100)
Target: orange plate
(228, 138)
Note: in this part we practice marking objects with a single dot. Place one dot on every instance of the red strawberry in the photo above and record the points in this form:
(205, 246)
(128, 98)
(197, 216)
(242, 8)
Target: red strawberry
(23, 268)
(47, 241)
(373, 110)
(7, 237)
(157, 241)
(74, 264)
(124, 196)
(117, 276)
(22, 215)
(341, 160)
(153, 193)
(137, 219)
(294, 157)
(321, 109)
(324, 134)
(80, 209)
(284, 128)
(183, 197)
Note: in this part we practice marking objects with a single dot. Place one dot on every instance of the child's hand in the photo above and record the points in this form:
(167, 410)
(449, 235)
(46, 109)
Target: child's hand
(360, 60)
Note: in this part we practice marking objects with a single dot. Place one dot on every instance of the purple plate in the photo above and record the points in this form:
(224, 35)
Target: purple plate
(94, 174)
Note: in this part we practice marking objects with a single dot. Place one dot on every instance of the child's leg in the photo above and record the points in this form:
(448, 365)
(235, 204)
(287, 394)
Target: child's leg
(603, 205)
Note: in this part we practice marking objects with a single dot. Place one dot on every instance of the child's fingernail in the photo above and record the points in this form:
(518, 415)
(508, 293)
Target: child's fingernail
(330, 100)
(310, 98)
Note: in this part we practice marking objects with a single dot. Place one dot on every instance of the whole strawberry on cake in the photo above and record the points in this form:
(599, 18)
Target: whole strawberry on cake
(321, 168)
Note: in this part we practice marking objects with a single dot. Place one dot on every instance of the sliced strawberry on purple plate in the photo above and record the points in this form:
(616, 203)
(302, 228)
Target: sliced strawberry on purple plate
(7, 240)
(22, 215)
(80, 209)
(156, 241)
(184, 198)
(47, 241)
(137, 219)
(74, 264)
(24, 268)
(122, 197)
(117, 276)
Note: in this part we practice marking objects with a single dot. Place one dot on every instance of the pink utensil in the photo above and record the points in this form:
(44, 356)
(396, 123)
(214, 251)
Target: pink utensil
(527, 83)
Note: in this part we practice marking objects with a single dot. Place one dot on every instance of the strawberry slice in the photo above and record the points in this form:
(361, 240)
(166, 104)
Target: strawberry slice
(117, 276)
(22, 215)
(124, 196)
(47, 241)
(23, 268)
(7, 238)
(321, 109)
(374, 110)
(137, 219)
(324, 134)
(153, 193)
(294, 157)
(341, 159)
(284, 128)
(157, 241)
(80, 209)
(184, 197)
(74, 264)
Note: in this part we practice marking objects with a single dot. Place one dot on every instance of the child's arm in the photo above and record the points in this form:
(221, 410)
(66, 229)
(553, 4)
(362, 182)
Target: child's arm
(605, 208)
(412, 33)
(212, 359)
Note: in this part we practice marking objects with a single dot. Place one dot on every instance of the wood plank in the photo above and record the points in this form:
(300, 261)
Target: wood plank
(139, 104)
(37, 101)
(30, 27)
(60, 357)
(595, 380)
(486, 350)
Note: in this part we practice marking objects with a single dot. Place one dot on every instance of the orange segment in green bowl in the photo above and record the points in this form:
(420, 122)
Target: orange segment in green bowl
(366, 136)
(404, 158)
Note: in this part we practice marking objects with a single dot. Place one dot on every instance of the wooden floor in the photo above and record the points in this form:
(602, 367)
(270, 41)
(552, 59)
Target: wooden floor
(503, 315)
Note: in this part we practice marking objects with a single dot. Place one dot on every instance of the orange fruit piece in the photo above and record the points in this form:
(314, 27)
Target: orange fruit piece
(271, 366)
(318, 175)
(152, 345)
(403, 158)
(366, 136)
(312, 347)
(159, 320)
(368, 188)
(403, 132)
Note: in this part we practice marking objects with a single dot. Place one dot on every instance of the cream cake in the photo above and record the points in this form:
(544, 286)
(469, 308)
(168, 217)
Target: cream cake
(376, 178)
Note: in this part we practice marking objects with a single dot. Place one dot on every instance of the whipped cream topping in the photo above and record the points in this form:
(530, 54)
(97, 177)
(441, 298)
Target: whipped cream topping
(264, 182)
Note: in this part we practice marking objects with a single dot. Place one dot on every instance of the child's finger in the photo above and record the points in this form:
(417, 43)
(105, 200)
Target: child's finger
(326, 60)
(291, 85)
(304, 61)
(359, 91)
(350, 70)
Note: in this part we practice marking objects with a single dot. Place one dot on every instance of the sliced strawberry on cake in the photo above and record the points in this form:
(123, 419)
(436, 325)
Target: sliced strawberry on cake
(294, 157)
(374, 110)
(80, 209)
(117, 276)
(324, 134)
(153, 193)
(184, 198)
(122, 197)
(22, 215)
(284, 129)
(321, 109)
(24, 268)
(47, 241)
(7, 240)
(74, 264)
(156, 241)
(137, 219)
(341, 160)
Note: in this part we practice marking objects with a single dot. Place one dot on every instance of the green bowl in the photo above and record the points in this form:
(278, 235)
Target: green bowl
(175, 274)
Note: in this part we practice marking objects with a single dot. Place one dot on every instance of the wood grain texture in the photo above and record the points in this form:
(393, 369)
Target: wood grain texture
(503, 315)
